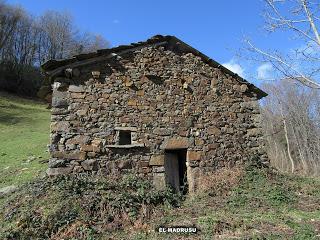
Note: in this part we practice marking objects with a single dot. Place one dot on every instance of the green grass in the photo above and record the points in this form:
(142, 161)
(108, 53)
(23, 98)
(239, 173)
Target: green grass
(24, 135)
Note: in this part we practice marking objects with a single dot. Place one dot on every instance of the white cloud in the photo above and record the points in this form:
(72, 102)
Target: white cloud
(233, 66)
(264, 71)
(116, 21)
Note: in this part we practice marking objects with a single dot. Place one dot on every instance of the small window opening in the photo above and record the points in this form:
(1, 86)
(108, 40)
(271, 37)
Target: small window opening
(124, 137)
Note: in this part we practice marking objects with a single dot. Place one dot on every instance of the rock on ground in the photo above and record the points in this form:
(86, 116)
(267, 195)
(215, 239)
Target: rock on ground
(7, 190)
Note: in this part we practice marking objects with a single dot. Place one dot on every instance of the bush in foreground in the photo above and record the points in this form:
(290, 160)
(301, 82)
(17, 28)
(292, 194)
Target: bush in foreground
(80, 206)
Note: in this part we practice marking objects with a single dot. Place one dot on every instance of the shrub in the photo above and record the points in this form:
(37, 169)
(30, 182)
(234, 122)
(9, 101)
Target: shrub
(221, 181)
(49, 207)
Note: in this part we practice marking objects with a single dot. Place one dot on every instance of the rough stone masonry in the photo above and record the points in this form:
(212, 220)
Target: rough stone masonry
(147, 107)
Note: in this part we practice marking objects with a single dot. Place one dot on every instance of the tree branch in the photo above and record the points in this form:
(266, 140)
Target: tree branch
(299, 75)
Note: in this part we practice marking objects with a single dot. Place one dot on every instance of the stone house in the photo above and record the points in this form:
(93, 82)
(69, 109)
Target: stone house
(158, 108)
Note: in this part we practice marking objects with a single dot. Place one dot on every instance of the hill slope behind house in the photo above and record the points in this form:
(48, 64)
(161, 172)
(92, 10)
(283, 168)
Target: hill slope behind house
(24, 135)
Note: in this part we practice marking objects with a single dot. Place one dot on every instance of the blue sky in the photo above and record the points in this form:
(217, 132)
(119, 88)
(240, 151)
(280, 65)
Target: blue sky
(215, 28)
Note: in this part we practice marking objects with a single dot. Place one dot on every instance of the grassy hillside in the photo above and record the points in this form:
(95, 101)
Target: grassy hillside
(24, 135)
(249, 203)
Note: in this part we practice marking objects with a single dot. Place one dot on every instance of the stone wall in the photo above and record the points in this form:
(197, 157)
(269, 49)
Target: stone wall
(169, 101)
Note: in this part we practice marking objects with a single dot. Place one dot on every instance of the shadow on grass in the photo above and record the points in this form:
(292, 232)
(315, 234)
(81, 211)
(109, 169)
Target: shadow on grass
(9, 115)
(19, 99)
(10, 119)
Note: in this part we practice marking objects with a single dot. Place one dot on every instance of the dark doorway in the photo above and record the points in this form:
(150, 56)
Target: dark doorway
(176, 169)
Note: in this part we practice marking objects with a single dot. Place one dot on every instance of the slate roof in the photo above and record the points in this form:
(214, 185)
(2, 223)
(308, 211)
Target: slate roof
(171, 42)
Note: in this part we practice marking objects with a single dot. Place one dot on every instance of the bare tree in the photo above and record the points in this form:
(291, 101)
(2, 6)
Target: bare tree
(88, 42)
(301, 19)
(57, 31)
(291, 125)
(59, 38)
(96, 41)
(291, 111)
(27, 41)
(18, 51)
(9, 18)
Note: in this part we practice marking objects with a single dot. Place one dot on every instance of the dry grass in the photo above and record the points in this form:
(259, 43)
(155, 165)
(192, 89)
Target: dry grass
(220, 182)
